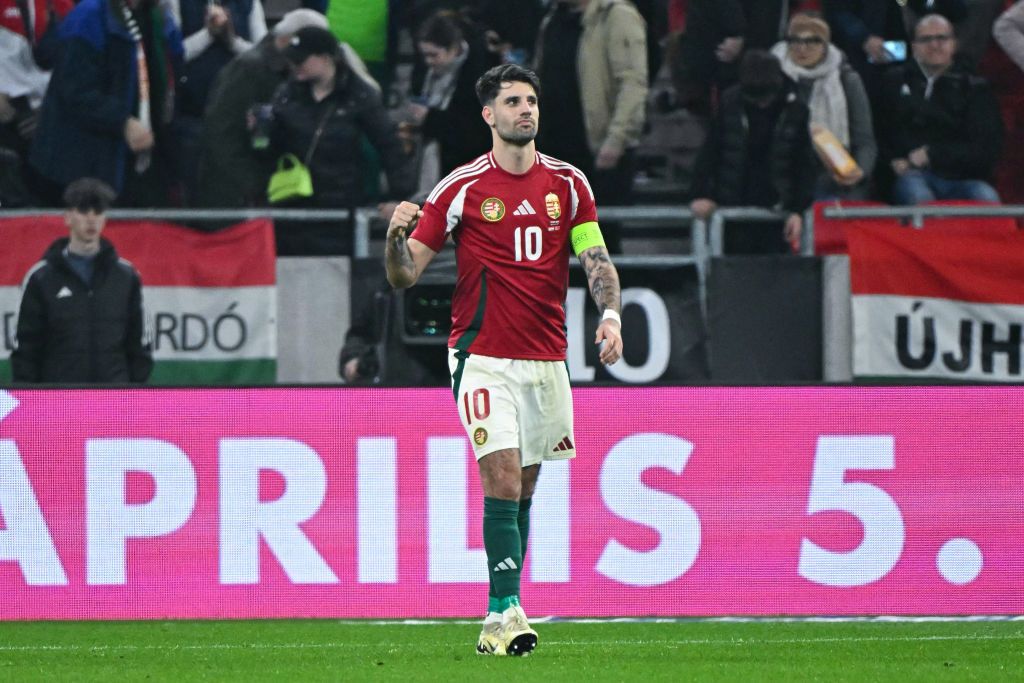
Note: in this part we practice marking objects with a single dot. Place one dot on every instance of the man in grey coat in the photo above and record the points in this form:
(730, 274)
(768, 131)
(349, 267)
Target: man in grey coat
(231, 174)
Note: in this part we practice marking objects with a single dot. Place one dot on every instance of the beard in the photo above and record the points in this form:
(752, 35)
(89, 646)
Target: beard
(517, 136)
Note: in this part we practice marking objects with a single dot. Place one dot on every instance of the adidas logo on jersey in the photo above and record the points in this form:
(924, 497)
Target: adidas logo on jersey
(563, 445)
(524, 209)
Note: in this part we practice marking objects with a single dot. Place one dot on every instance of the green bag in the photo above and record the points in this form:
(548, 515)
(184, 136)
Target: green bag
(291, 180)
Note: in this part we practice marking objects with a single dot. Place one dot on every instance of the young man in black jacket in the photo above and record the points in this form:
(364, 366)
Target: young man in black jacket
(81, 314)
(757, 154)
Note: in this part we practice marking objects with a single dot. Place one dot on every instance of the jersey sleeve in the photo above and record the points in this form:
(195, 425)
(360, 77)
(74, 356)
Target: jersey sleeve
(585, 208)
(432, 228)
(442, 212)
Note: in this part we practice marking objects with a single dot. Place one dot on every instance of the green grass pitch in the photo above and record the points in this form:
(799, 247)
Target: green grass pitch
(687, 650)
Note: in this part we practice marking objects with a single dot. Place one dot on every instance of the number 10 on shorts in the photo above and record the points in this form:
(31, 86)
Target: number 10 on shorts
(478, 406)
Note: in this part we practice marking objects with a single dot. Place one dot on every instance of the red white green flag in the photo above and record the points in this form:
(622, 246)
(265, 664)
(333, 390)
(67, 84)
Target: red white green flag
(210, 297)
(943, 305)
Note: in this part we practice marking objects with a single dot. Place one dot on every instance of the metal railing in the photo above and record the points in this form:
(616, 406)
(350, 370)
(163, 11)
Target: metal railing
(633, 218)
(742, 214)
(367, 225)
(917, 214)
(201, 215)
(707, 238)
(914, 215)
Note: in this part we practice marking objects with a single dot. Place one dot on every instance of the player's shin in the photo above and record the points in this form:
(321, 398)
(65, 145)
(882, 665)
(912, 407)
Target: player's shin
(523, 520)
(504, 549)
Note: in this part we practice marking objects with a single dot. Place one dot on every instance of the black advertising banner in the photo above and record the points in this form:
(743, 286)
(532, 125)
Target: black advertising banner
(662, 325)
(764, 318)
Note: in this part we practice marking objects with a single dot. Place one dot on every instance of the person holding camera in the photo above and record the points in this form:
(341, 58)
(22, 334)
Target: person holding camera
(941, 131)
(375, 352)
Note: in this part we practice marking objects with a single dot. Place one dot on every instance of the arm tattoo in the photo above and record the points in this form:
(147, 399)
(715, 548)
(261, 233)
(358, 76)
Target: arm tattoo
(401, 269)
(602, 278)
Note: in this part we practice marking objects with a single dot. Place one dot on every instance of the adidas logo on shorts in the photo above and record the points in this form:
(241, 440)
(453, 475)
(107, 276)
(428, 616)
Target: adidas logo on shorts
(563, 445)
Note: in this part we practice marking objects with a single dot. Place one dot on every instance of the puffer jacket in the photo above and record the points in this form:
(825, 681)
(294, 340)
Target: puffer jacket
(721, 164)
(70, 332)
(336, 163)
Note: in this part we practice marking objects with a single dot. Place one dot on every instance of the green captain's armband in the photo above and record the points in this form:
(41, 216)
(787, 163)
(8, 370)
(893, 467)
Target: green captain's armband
(586, 235)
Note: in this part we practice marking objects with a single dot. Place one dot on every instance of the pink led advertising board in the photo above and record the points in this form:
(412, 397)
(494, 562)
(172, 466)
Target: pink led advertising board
(336, 502)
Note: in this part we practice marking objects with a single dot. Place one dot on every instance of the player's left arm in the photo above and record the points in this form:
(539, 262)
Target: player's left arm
(603, 280)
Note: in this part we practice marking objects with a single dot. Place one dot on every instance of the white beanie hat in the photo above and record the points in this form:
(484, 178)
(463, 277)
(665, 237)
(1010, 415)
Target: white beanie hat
(299, 18)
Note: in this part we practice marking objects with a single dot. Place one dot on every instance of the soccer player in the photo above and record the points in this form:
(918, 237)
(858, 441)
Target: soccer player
(513, 215)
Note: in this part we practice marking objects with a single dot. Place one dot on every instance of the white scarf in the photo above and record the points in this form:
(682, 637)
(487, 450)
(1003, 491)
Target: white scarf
(828, 99)
(439, 86)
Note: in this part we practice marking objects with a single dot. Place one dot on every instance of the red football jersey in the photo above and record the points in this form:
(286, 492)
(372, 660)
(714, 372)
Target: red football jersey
(512, 246)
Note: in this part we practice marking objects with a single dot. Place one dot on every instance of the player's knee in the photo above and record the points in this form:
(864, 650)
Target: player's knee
(529, 481)
(505, 488)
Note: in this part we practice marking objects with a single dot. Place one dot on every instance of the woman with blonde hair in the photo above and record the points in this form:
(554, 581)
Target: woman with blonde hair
(837, 101)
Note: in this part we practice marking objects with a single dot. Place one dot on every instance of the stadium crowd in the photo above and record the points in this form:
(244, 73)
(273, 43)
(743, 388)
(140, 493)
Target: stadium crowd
(192, 103)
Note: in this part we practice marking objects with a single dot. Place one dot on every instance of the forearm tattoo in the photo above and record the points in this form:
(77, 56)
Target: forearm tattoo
(398, 261)
(602, 278)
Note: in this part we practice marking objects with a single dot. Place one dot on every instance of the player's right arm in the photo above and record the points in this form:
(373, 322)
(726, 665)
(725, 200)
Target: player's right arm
(405, 259)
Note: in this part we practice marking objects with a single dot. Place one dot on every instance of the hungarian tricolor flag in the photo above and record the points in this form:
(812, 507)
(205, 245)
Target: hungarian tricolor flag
(937, 304)
(210, 298)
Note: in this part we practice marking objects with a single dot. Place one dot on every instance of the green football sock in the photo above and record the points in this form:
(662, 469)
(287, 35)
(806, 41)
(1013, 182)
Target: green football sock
(503, 545)
(524, 523)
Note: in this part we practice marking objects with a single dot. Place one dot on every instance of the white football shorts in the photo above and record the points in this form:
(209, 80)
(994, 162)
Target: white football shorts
(511, 403)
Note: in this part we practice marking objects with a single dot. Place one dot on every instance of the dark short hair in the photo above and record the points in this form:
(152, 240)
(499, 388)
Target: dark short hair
(760, 73)
(89, 193)
(441, 28)
(488, 85)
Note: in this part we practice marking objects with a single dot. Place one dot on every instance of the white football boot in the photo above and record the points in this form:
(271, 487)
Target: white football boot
(517, 637)
(490, 641)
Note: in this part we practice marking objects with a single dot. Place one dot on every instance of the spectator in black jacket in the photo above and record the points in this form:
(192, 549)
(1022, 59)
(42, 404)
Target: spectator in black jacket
(231, 171)
(325, 94)
(96, 121)
(446, 108)
(756, 154)
(81, 314)
(940, 127)
(861, 29)
(717, 32)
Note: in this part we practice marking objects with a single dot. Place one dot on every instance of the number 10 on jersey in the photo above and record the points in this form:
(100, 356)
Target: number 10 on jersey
(528, 242)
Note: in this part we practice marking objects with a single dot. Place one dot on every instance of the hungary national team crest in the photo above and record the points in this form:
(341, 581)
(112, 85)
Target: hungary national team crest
(492, 209)
(552, 205)
(480, 436)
